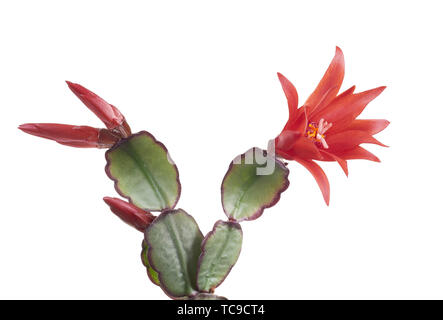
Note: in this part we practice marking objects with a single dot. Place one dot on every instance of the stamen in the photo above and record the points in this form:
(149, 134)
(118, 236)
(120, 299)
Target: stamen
(323, 142)
(320, 125)
(318, 133)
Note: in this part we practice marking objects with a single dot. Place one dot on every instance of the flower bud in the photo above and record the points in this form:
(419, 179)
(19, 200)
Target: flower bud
(74, 136)
(109, 114)
(129, 213)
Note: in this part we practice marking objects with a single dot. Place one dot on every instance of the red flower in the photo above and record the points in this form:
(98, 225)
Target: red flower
(132, 215)
(325, 128)
(73, 136)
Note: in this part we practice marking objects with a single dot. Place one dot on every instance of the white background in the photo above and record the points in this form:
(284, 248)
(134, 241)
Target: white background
(201, 76)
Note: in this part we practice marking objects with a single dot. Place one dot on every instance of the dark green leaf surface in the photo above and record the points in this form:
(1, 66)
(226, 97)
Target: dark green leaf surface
(143, 172)
(174, 242)
(245, 194)
(220, 251)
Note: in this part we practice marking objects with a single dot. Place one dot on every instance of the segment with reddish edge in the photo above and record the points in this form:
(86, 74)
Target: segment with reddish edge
(174, 241)
(109, 114)
(70, 135)
(132, 215)
(144, 172)
(245, 193)
(220, 251)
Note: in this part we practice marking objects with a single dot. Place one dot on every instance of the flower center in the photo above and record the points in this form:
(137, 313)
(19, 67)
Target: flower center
(317, 132)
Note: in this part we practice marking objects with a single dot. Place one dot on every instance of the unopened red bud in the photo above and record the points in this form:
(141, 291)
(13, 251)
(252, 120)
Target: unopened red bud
(69, 135)
(129, 213)
(109, 114)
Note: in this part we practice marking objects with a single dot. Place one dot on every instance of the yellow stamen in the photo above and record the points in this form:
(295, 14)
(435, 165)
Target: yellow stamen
(317, 133)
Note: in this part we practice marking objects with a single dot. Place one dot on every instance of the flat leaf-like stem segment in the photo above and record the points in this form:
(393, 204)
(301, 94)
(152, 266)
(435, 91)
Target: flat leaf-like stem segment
(245, 193)
(153, 276)
(143, 172)
(174, 240)
(220, 251)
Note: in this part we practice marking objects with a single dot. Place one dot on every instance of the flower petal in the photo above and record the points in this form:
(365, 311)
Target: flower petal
(330, 84)
(292, 97)
(322, 106)
(342, 162)
(344, 109)
(358, 153)
(319, 175)
(349, 139)
(372, 126)
(300, 123)
(291, 144)
(347, 92)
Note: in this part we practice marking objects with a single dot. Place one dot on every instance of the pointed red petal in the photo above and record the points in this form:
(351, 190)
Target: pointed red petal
(296, 118)
(290, 93)
(132, 215)
(291, 144)
(343, 110)
(299, 122)
(342, 162)
(347, 92)
(349, 139)
(74, 136)
(322, 106)
(302, 122)
(319, 175)
(358, 153)
(330, 84)
(372, 126)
